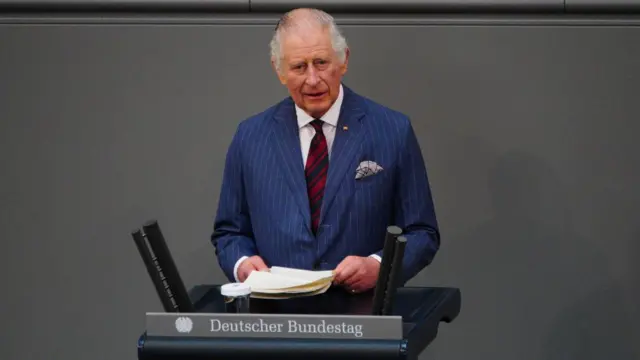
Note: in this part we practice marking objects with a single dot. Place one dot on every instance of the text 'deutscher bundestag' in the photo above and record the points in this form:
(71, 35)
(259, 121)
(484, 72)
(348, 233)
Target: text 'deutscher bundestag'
(274, 326)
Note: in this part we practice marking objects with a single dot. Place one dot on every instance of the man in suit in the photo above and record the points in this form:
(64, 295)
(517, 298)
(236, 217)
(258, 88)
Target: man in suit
(291, 194)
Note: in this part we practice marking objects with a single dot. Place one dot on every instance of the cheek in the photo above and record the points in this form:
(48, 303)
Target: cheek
(333, 76)
(295, 83)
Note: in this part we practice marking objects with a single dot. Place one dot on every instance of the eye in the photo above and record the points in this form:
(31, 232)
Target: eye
(321, 64)
(297, 67)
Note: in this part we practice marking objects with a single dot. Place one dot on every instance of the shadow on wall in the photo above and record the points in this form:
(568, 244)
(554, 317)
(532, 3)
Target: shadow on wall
(526, 271)
(602, 324)
(596, 327)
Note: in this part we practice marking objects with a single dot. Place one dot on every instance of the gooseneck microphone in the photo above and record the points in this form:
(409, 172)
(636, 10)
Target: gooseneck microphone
(155, 272)
(161, 268)
(386, 267)
(395, 275)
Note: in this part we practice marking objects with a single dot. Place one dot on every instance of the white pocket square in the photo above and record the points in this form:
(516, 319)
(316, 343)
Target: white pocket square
(367, 168)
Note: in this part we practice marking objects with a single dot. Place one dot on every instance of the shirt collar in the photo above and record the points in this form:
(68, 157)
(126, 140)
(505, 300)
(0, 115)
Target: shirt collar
(330, 117)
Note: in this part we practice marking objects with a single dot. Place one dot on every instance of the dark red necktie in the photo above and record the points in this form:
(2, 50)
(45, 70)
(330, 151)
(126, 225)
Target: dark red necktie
(316, 172)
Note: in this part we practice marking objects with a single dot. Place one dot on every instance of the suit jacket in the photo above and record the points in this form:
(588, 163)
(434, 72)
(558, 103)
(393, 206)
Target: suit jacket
(264, 210)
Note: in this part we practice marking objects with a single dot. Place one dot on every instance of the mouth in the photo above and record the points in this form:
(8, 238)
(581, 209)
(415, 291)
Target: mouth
(315, 95)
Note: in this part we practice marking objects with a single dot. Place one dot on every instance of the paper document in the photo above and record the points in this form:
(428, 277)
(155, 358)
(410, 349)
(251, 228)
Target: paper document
(283, 283)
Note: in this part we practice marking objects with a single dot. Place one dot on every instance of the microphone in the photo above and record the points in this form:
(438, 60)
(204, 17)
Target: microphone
(394, 277)
(157, 277)
(167, 266)
(161, 268)
(385, 268)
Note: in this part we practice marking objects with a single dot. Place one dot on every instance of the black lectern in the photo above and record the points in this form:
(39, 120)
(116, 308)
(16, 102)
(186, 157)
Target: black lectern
(387, 323)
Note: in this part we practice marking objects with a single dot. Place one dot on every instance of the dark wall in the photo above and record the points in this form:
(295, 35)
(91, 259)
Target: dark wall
(528, 125)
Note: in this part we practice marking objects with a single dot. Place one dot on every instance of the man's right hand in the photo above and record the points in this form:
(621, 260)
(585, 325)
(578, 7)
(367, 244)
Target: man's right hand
(250, 264)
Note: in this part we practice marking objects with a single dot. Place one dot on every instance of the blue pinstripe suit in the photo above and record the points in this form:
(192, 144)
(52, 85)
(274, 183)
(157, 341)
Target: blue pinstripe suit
(263, 207)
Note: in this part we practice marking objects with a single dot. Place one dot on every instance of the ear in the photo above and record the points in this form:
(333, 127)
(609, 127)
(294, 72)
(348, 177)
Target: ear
(345, 64)
(280, 76)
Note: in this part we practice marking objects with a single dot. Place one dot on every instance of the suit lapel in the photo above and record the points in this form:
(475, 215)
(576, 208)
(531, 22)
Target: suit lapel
(344, 153)
(287, 141)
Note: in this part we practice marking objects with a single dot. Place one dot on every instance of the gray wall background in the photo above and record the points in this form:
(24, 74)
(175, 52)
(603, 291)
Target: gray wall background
(528, 126)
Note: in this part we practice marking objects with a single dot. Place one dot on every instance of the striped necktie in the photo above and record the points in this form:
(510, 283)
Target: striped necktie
(316, 172)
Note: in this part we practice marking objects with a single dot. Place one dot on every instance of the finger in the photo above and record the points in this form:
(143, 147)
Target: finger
(345, 262)
(357, 287)
(337, 272)
(353, 278)
(360, 284)
(243, 273)
(259, 264)
(246, 269)
(347, 272)
(342, 273)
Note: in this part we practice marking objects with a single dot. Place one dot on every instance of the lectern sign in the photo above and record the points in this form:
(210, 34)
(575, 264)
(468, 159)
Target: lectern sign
(275, 326)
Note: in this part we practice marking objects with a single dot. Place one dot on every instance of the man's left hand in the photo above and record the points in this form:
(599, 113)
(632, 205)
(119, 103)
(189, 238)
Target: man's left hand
(357, 274)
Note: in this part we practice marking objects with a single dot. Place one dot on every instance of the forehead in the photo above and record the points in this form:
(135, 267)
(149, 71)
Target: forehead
(307, 43)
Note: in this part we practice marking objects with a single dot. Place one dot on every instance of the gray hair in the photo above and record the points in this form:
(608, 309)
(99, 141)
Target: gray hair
(307, 18)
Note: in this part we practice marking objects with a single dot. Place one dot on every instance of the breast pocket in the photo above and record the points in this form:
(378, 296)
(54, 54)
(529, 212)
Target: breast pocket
(371, 180)
(373, 191)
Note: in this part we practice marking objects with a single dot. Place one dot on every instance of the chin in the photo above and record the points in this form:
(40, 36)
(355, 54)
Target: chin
(317, 111)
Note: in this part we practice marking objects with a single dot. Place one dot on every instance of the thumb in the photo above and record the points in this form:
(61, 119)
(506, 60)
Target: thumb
(259, 264)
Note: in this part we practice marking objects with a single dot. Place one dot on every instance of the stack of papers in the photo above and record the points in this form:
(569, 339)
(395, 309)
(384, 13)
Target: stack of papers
(284, 283)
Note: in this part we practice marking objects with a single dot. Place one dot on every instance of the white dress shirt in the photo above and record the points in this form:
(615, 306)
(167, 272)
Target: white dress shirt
(307, 132)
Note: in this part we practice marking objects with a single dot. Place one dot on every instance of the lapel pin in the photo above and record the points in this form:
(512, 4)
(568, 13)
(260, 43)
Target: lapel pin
(345, 128)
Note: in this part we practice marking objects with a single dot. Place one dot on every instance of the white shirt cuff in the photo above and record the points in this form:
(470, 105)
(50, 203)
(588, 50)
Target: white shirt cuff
(235, 268)
(376, 257)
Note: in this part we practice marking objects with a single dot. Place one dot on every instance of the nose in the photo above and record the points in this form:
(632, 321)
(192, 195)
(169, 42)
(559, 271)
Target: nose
(312, 77)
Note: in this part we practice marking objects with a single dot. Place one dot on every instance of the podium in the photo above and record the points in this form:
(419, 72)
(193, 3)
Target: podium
(388, 322)
(421, 310)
